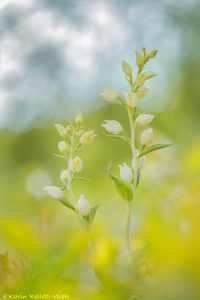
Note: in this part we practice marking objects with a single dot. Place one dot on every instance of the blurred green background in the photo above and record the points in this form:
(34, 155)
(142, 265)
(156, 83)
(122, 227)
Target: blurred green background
(57, 56)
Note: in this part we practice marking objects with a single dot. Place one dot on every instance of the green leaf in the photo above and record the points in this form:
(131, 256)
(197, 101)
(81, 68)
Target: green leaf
(92, 213)
(123, 188)
(152, 148)
(58, 155)
(138, 178)
(119, 137)
(81, 179)
(67, 203)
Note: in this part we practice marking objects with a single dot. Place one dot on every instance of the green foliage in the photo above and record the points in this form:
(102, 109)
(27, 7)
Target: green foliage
(152, 148)
(123, 188)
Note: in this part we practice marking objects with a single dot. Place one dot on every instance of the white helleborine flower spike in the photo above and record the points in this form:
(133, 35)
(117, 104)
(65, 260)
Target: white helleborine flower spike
(125, 172)
(87, 137)
(62, 146)
(64, 175)
(110, 94)
(126, 68)
(144, 119)
(61, 129)
(131, 99)
(146, 137)
(76, 164)
(83, 206)
(54, 192)
(112, 126)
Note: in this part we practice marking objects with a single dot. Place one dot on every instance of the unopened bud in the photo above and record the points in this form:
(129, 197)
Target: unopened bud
(126, 68)
(61, 129)
(83, 206)
(144, 119)
(54, 192)
(125, 172)
(139, 59)
(146, 137)
(112, 126)
(79, 118)
(110, 94)
(153, 53)
(131, 99)
(63, 146)
(64, 175)
(87, 137)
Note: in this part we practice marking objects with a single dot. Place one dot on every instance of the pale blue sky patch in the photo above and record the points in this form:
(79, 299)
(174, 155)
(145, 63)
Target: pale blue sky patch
(59, 55)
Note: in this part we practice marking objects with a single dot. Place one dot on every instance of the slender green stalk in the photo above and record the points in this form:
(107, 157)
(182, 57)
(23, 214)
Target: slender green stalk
(70, 157)
(127, 184)
(133, 148)
(128, 225)
(69, 185)
(135, 178)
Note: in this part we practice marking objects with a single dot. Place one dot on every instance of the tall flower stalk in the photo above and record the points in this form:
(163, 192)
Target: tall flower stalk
(127, 183)
(74, 140)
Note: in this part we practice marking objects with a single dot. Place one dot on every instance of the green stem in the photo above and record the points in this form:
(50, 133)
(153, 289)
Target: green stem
(133, 148)
(128, 225)
(69, 185)
(135, 178)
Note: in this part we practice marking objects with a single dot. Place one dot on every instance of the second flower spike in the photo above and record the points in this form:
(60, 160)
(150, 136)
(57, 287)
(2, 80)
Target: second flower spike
(112, 126)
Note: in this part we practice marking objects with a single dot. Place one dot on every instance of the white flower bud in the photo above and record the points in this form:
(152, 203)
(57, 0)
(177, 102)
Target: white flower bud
(146, 137)
(76, 164)
(110, 94)
(83, 206)
(126, 68)
(62, 146)
(140, 80)
(54, 192)
(153, 53)
(61, 129)
(87, 137)
(125, 172)
(141, 162)
(139, 59)
(64, 175)
(112, 126)
(141, 92)
(79, 117)
(144, 119)
(131, 99)
(143, 77)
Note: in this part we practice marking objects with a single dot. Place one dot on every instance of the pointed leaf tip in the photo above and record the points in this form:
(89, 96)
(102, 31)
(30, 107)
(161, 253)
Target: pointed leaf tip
(152, 148)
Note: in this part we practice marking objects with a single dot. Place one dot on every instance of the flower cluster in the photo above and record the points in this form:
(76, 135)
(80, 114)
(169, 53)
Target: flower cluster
(74, 139)
(129, 174)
